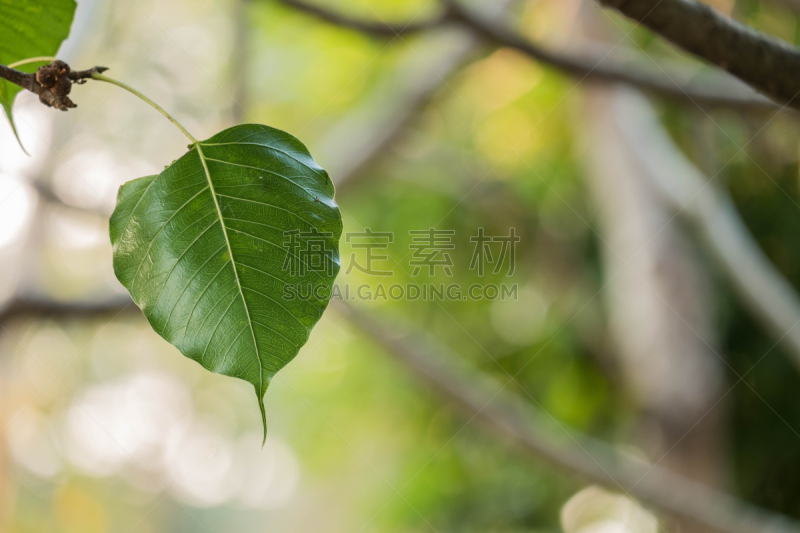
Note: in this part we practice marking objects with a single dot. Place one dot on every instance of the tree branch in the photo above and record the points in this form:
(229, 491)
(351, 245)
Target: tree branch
(602, 65)
(44, 307)
(52, 83)
(661, 319)
(767, 64)
(484, 399)
(598, 65)
(16, 77)
(767, 296)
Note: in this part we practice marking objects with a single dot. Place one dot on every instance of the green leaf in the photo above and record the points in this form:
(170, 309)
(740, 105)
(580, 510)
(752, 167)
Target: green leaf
(30, 28)
(202, 248)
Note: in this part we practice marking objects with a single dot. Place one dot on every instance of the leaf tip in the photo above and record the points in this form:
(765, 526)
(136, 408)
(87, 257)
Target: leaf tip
(260, 396)
(16, 133)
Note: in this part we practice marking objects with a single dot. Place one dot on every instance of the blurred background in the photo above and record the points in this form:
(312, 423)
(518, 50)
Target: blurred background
(656, 274)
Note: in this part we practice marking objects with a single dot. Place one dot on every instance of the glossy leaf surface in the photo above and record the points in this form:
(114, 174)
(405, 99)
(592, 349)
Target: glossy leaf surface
(218, 247)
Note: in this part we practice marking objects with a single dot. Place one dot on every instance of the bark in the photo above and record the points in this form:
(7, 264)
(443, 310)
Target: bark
(767, 64)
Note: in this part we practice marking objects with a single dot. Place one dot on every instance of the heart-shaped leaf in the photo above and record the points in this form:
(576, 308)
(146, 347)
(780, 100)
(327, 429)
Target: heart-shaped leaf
(232, 250)
(30, 28)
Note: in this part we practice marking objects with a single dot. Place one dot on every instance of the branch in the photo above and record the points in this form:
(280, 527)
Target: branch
(364, 26)
(52, 83)
(602, 65)
(769, 298)
(17, 78)
(597, 65)
(661, 319)
(44, 307)
(484, 399)
(767, 64)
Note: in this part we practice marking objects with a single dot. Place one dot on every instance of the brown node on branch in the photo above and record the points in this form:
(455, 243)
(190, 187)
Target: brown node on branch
(56, 85)
(53, 83)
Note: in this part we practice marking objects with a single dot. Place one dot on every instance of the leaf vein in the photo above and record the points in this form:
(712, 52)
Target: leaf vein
(171, 270)
(264, 170)
(290, 341)
(282, 248)
(268, 205)
(147, 253)
(210, 257)
(214, 332)
(278, 303)
(284, 152)
(235, 272)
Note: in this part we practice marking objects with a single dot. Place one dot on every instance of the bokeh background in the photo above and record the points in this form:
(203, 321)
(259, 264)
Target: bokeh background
(627, 327)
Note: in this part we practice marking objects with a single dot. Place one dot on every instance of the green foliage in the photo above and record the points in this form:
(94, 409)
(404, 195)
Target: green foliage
(201, 249)
(30, 29)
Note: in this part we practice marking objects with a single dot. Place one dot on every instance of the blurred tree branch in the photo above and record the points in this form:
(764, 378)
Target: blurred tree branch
(482, 398)
(42, 307)
(658, 297)
(712, 90)
(606, 65)
(766, 63)
(657, 288)
(769, 298)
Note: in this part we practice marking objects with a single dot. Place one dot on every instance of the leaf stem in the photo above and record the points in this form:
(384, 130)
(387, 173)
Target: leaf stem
(100, 77)
(43, 59)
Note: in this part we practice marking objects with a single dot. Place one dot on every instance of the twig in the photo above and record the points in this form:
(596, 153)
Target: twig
(675, 84)
(769, 65)
(769, 298)
(17, 78)
(482, 398)
(52, 83)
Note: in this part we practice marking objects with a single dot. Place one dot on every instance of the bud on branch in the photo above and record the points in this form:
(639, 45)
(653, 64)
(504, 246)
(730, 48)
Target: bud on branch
(52, 82)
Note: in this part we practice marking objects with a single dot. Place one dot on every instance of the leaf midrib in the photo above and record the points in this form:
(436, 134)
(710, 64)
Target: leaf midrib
(235, 273)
